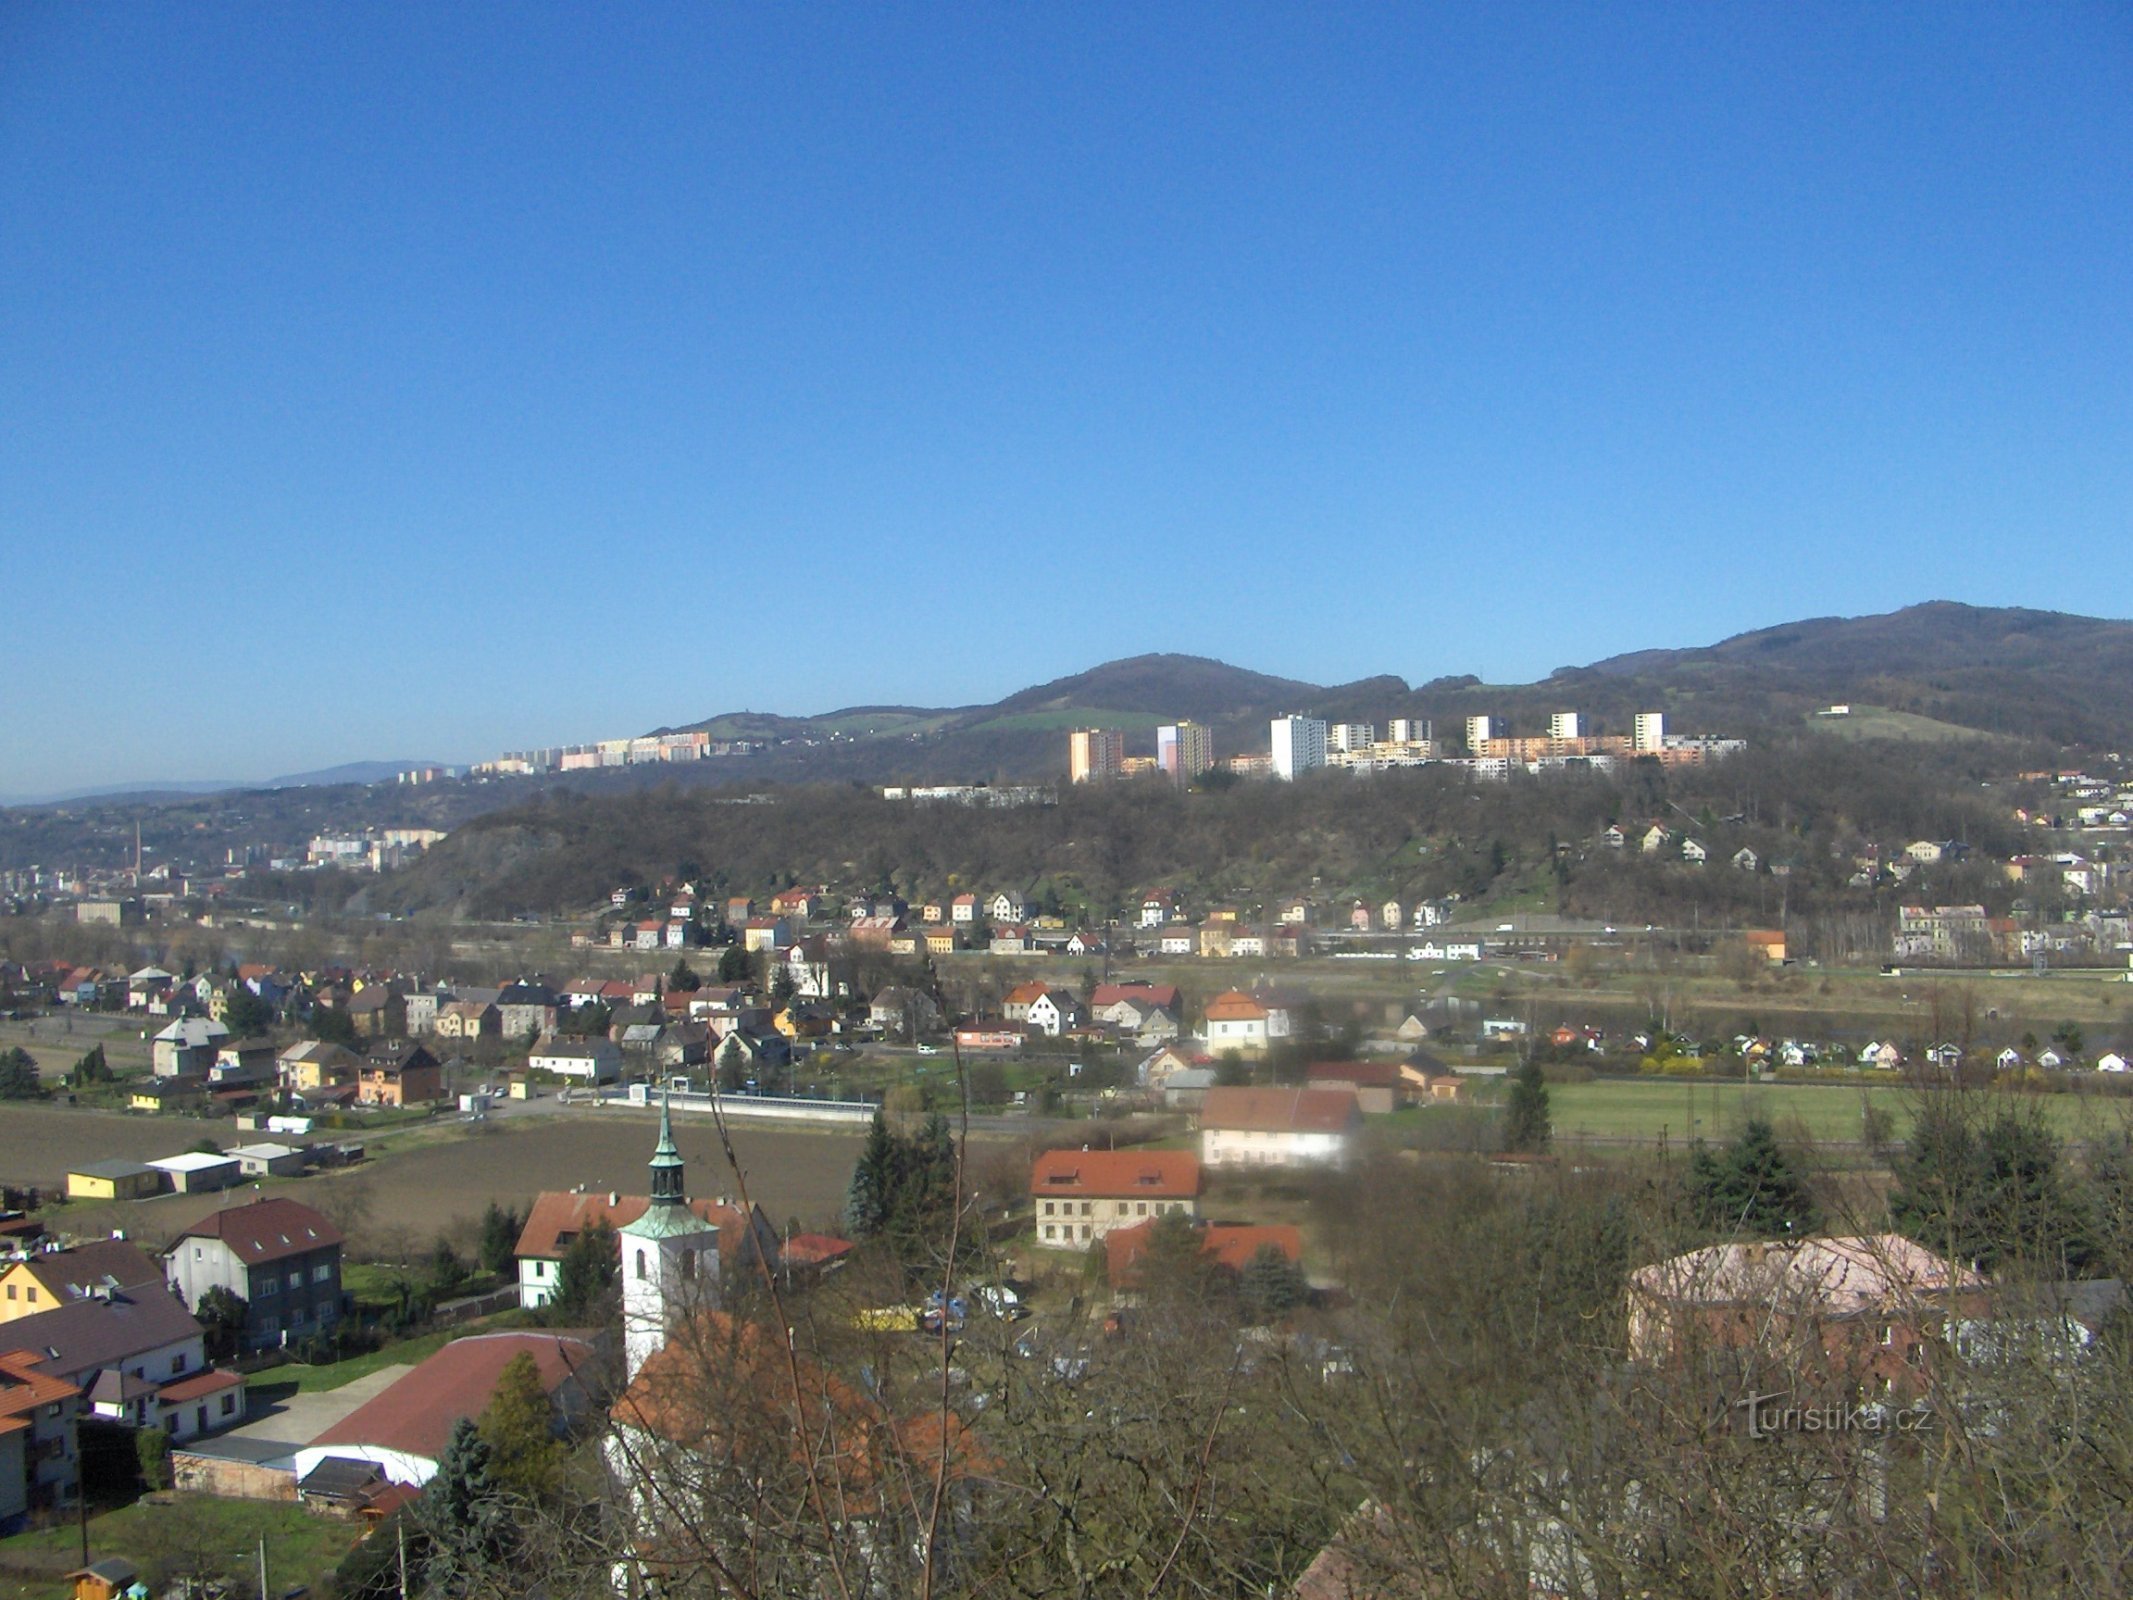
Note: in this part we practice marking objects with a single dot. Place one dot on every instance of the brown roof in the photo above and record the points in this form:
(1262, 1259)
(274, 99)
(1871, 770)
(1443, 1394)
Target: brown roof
(417, 1413)
(1279, 1110)
(1363, 1074)
(1162, 994)
(103, 1262)
(25, 1385)
(1148, 1174)
(266, 1230)
(558, 1217)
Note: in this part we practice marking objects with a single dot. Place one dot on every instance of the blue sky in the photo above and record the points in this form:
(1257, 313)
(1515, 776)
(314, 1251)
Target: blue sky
(421, 382)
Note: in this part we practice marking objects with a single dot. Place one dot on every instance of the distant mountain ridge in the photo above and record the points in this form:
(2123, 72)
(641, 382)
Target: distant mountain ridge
(149, 790)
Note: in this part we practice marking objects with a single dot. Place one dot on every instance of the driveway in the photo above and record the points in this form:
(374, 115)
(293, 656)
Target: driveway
(295, 1420)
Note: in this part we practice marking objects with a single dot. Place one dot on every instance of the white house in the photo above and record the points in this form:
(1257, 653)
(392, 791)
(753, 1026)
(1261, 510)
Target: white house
(1258, 1127)
(1054, 1011)
(594, 1060)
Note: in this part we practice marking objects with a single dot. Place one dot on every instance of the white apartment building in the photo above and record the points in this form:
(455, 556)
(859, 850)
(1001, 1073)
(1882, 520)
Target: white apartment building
(1299, 745)
(1650, 735)
(1479, 731)
(1349, 737)
(1566, 725)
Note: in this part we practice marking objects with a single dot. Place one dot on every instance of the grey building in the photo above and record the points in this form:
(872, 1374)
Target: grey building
(281, 1258)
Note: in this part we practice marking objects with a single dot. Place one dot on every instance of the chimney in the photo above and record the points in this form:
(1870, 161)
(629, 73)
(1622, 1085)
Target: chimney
(614, 1197)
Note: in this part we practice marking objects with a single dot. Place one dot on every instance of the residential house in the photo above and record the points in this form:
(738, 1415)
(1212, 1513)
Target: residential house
(1216, 940)
(746, 1239)
(1157, 908)
(525, 1010)
(963, 910)
(1055, 1011)
(60, 1277)
(469, 1019)
(1769, 943)
(1265, 1127)
(1010, 939)
(941, 941)
(197, 1172)
(377, 1011)
(903, 1013)
(765, 933)
(39, 1459)
(1376, 1085)
(1015, 1007)
(399, 1072)
(1007, 906)
(280, 1257)
(1694, 852)
(124, 1348)
(1862, 1308)
(186, 1049)
(1178, 939)
(312, 1065)
(1230, 1246)
(596, 1061)
(990, 1033)
(1078, 1196)
(1746, 860)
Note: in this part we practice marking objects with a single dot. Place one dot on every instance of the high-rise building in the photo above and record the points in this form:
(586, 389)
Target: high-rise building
(1299, 745)
(1408, 730)
(1351, 736)
(1650, 736)
(1479, 731)
(1184, 750)
(1095, 755)
(1566, 725)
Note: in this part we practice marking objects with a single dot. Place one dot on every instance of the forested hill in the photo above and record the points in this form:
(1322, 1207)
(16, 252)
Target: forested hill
(1961, 669)
(1810, 803)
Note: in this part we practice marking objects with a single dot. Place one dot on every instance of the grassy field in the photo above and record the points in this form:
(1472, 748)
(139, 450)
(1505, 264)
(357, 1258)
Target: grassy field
(1824, 1113)
(1879, 722)
(316, 1380)
(301, 1548)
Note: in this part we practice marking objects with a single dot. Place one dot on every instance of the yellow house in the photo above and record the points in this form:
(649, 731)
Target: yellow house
(42, 1283)
(114, 1180)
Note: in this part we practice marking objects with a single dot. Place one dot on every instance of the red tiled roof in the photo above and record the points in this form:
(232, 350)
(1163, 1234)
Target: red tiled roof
(813, 1249)
(1161, 994)
(1279, 1110)
(200, 1383)
(1229, 1244)
(416, 1414)
(558, 1217)
(267, 1230)
(1156, 1174)
(1235, 1006)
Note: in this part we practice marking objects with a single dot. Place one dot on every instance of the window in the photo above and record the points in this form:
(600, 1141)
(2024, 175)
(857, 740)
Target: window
(1047, 1212)
(1140, 1208)
(1084, 1230)
(177, 1363)
(11, 1291)
(196, 1252)
(296, 1281)
(229, 1404)
(1085, 1210)
(688, 1263)
(322, 1273)
(1050, 1230)
(640, 1265)
(266, 1288)
(33, 1294)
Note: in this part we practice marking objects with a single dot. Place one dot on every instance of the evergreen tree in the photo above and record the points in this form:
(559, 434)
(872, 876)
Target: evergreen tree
(467, 1514)
(245, 1014)
(90, 1070)
(519, 1428)
(875, 1180)
(1750, 1187)
(222, 1315)
(1990, 1194)
(585, 1275)
(683, 979)
(18, 1076)
(734, 965)
(1525, 1125)
(1271, 1284)
(499, 1238)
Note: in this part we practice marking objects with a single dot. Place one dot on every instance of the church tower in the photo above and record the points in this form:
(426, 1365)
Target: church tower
(669, 1258)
